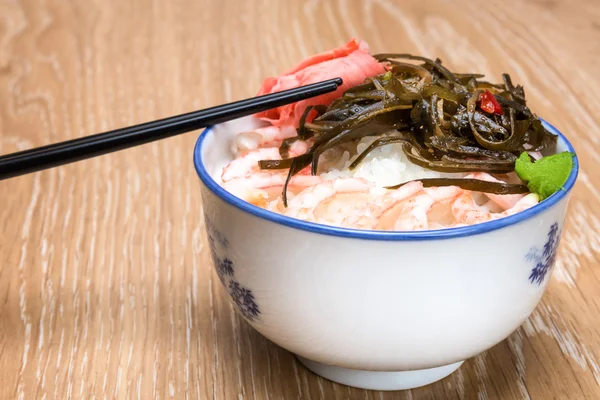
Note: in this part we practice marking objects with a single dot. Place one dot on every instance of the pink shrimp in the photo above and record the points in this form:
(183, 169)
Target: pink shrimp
(466, 210)
(409, 215)
(258, 187)
(444, 194)
(269, 180)
(413, 213)
(256, 196)
(245, 165)
(303, 205)
(368, 216)
(505, 201)
(268, 136)
(298, 148)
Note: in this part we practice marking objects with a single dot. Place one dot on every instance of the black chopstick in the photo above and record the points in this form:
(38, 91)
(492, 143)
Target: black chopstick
(61, 153)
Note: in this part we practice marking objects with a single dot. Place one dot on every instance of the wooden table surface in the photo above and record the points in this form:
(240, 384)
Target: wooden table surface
(106, 288)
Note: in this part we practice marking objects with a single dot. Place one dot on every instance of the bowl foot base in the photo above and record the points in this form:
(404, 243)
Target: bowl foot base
(380, 380)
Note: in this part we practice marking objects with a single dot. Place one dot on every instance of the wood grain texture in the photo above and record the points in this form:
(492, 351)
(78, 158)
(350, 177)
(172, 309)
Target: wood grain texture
(106, 288)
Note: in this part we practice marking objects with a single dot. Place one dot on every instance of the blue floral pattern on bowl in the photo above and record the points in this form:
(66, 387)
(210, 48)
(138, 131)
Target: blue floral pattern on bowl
(544, 259)
(242, 297)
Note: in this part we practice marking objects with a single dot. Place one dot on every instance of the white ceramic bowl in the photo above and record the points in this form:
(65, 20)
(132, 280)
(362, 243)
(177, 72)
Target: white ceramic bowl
(371, 309)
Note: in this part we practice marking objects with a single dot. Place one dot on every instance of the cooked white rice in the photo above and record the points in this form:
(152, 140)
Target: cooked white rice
(385, 166)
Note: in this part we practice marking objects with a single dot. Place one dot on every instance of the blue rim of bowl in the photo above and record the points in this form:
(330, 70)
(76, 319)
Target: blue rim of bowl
(447, 233)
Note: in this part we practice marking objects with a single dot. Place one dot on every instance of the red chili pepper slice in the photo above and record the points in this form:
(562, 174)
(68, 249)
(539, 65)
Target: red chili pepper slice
(489, 104)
